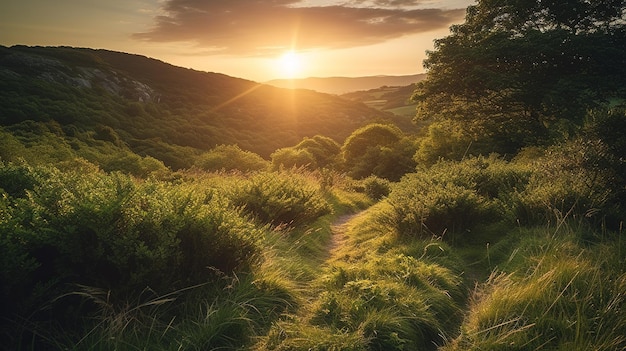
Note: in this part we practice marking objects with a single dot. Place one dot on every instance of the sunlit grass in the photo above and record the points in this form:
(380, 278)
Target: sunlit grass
(550, 293)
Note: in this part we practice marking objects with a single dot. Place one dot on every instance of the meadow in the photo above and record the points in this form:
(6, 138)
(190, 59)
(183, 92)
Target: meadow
(482, 253)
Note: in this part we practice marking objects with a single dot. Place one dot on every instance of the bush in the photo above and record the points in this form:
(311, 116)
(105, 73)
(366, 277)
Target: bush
(452, 198)
(289, 157)
(230, 158)
(281, 198)
(576, 179)
(376, 188)
(113, 233)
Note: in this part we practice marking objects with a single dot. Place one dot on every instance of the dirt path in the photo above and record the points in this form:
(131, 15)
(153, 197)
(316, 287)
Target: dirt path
(339, 228)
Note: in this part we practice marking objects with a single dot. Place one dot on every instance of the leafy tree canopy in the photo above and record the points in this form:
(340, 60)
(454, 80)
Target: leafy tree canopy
(380, 150)
(518, 66)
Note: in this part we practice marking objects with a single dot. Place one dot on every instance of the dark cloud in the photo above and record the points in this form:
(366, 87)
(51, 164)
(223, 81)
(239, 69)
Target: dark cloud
(257, 27)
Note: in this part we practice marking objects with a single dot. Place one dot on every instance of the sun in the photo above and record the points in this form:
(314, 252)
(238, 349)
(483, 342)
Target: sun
(290, 64)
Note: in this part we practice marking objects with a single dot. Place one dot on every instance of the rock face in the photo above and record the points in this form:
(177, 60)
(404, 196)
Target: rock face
(54, 70)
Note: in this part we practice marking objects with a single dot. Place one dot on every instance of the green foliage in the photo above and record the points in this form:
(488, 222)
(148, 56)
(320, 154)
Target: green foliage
(292, 158)
(376, 188)
(324, 150)
(379, 150)
(444, 140)
(577, 179)
(230, 158)
(281, 198)
(311, 153)
(113, 233)
(452, 198)
(515, 72)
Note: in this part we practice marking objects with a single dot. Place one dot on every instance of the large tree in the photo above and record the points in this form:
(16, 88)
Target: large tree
(517, 68)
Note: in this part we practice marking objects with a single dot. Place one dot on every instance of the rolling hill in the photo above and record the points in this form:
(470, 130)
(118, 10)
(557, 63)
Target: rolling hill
(342, 85)
(160, 110)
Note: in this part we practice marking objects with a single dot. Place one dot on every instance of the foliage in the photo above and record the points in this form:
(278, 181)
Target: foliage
(95, 261)
(577, 179)
(451, 198)
(281, 198)
(515, 69)
(376, 188)
(230, 158)
(293, 158)
(379, 150)
(324, 150)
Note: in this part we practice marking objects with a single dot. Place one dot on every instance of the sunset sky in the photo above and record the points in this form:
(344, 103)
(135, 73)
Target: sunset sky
(257, 40)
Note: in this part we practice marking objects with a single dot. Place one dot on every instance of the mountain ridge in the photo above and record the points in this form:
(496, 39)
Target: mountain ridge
(343, 85)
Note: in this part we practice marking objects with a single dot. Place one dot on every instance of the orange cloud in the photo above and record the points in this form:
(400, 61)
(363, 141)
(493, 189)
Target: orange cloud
(254, 27)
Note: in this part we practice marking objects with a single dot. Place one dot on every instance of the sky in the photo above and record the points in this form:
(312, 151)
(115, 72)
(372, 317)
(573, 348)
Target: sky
(251, 39)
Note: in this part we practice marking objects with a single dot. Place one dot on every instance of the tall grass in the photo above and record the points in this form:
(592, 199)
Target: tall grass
(558, 296)
(373, 296)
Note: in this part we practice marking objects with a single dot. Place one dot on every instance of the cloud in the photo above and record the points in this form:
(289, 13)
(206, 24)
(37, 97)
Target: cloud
(255, 27)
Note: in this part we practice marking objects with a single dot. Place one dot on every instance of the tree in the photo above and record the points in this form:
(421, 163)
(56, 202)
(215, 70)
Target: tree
(517, 67)
(325, 150)
(379, 150)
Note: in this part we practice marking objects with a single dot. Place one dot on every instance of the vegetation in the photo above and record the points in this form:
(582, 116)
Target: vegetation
(518, 73)
(131, 219)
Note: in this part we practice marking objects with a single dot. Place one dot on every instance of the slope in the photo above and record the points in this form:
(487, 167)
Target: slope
(164, 111)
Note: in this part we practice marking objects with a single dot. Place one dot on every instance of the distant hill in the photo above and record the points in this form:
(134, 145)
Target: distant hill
(342, 85)
(394, 99)
(160, 110)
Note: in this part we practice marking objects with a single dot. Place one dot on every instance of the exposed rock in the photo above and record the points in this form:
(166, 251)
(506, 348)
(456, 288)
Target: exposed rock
(56, 71)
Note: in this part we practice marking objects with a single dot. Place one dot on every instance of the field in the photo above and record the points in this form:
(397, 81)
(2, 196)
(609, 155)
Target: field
(482, 253)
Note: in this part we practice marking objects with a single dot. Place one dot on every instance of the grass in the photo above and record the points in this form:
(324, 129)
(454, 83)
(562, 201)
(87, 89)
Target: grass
(373, 295)
(548, 291)
(472, 255)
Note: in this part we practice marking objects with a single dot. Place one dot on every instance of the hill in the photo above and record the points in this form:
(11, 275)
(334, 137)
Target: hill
(342, 85)
(394, 99)
(160, 110)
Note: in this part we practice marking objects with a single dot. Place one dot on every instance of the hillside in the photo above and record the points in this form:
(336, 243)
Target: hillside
(394, 99)
(343, 85)
(159, 110)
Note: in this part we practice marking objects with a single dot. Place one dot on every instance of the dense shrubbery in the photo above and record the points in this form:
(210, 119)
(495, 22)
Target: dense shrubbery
(230, 158)
(576, 179)
(452, 198)
(281, 198)
(379, 150)
(113, 240)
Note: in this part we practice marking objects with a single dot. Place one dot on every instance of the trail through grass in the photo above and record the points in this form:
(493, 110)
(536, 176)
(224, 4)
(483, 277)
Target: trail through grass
(339, 228)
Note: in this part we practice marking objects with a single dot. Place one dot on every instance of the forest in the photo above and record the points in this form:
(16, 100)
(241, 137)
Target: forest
(149, 207)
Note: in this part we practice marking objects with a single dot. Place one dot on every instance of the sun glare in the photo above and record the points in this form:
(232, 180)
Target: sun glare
(290, 64)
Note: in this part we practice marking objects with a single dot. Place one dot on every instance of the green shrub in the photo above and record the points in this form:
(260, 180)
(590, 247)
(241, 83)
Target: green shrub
(230, 158)
(452, 198)
(376, 188)
(424, 207)
(281, 198)
(290, 157)
(111, 232)
(574, 179)
(17, 178)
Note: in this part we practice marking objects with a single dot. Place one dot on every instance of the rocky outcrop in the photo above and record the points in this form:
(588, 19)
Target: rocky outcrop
(52, 70)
